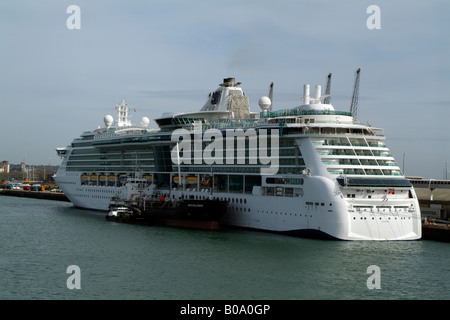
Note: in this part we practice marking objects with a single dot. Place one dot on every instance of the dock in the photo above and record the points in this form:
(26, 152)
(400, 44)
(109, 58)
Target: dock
(47, 195)
(434, 201)
(436, 232)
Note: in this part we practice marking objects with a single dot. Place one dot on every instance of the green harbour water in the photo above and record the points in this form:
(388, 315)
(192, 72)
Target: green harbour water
(41, 239)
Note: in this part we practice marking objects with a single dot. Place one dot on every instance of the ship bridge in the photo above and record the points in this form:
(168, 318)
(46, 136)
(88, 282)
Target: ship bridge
(227, 102)
(229, 98)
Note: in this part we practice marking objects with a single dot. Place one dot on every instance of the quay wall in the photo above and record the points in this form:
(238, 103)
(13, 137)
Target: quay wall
(436, 232)
(48, 195)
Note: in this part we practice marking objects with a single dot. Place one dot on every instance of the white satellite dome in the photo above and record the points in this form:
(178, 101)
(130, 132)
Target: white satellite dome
(108, 120)
(264, 103)
(145, 121)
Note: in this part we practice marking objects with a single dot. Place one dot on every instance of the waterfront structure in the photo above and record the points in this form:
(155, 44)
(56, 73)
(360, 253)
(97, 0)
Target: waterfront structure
(309, 170)
(4, 166)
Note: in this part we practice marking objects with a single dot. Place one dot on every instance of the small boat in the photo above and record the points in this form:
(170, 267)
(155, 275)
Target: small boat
(124, 213)
(119, 211)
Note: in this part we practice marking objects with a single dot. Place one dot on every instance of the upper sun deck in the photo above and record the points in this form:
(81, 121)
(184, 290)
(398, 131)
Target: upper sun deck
(228, 107)
(301, 112)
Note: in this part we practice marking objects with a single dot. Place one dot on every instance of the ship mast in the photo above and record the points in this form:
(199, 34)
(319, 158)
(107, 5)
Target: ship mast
(122, 114)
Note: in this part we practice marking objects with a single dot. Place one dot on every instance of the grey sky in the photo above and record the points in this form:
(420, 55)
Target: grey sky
(168, 55)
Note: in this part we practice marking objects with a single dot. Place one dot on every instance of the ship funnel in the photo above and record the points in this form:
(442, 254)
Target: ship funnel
(318, 93)
(313, 102)
(228, 82)
(306, 96)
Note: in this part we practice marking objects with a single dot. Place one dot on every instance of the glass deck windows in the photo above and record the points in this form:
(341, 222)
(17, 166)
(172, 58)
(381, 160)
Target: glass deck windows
(374, 182)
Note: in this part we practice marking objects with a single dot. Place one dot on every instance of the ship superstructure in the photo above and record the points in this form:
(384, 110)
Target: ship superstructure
(308, 170)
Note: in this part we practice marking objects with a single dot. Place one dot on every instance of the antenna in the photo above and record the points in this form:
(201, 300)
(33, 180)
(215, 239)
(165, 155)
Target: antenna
(327, 100)
(354, 105)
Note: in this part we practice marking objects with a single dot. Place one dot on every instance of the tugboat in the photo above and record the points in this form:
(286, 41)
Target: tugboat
(148, 208)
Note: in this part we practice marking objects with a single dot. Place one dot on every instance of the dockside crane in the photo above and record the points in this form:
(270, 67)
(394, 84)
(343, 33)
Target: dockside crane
(354, 105)
(271, 95)
(327, 100)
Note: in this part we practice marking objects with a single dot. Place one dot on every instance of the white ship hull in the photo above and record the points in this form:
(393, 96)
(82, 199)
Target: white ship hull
(320, 212)
(327, 173)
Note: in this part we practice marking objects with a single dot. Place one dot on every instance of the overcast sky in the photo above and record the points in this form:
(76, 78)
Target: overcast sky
(167, 55)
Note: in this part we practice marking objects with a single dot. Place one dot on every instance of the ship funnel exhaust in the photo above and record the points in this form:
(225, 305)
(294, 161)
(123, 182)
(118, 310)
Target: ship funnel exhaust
(229, 82)
(314, 101)
(306, 96)
(318, 94)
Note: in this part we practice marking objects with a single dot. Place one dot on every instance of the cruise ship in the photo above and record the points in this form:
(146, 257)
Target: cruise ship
(307, 171)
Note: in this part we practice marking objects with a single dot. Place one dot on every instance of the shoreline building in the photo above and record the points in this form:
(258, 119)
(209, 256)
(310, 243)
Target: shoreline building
(4, 167)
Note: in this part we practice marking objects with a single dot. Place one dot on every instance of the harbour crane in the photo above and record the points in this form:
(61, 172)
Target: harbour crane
(327, 100)
(271, 95)
(354, 105)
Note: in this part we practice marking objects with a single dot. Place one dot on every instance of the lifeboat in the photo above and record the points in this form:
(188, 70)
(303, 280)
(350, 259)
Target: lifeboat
(84, 176)
(93, 176)
(192, 179)
(176, 179)
(102, 177)
(111, 177)
(189, 180)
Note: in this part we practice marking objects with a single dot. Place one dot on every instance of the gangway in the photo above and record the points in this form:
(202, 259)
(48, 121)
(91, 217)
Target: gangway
(430, 184)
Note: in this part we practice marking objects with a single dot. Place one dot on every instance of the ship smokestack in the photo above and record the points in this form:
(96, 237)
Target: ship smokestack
(228, 82)
(318, 93)
(306, 96)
